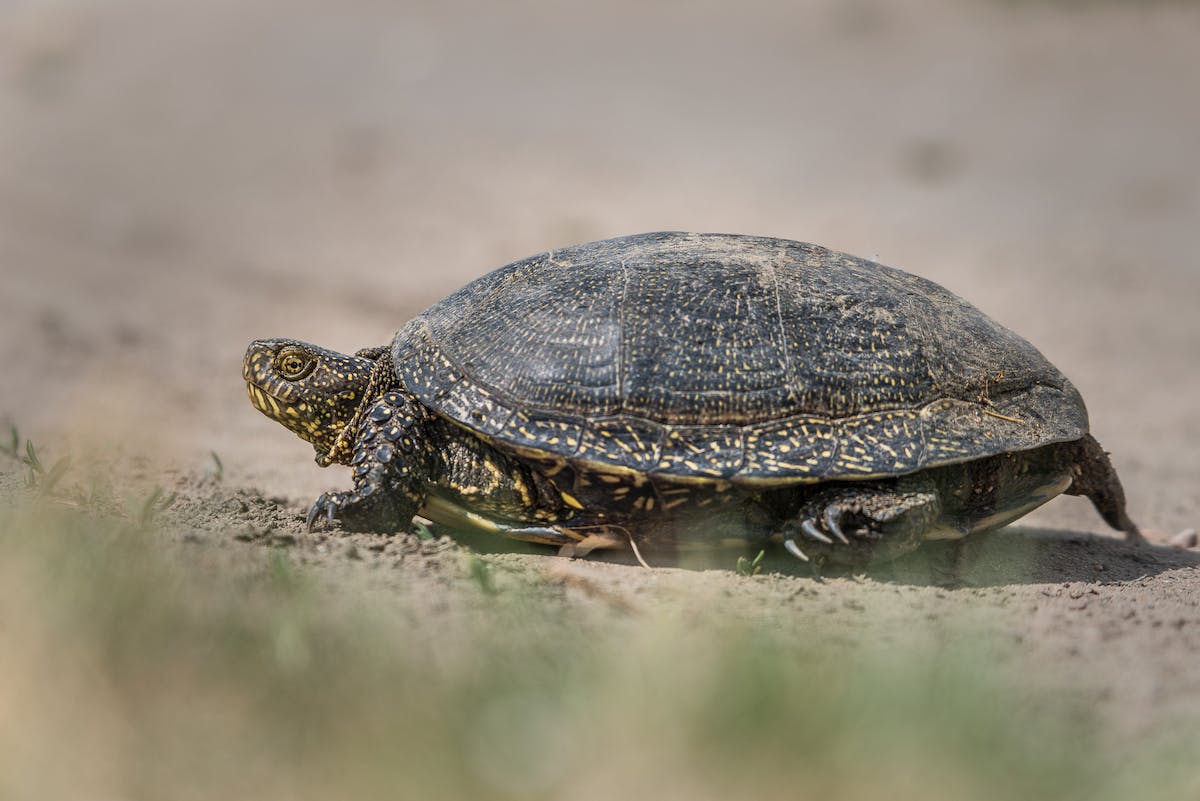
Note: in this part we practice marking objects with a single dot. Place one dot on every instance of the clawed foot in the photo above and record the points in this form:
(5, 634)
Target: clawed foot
(859, 519)
(363, 509)
(824, 527)
(327, 506)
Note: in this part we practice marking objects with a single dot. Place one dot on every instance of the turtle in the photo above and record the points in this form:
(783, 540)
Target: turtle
(673, 390)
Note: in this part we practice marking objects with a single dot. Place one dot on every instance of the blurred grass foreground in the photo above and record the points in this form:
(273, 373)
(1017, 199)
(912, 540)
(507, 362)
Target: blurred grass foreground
(140, 662)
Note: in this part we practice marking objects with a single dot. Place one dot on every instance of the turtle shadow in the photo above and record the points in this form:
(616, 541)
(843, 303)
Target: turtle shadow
(1018, 555)
(1015, 555)
(1011, 556)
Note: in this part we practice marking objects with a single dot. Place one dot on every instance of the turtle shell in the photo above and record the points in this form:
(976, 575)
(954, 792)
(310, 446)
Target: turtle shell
(740, 358)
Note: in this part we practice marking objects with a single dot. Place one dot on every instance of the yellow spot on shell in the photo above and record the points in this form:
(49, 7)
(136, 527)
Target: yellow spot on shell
(571, 501)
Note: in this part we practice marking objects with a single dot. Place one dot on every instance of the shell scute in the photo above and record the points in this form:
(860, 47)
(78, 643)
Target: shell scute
(803, 448)
(538, 432)
(627, 442)
(704, 451)
(880, 444)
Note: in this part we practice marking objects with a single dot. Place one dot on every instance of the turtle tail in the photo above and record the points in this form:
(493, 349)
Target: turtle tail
(1095, 477)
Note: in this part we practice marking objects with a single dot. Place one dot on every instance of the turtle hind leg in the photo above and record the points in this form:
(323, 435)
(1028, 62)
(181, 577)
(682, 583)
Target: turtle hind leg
(1094, 477)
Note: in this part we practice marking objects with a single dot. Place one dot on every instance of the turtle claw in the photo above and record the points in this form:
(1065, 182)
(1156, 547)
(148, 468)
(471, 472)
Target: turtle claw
(810, 528)
(327, 505)
(821, 523)
(794, 550)
(313, 513)
(833, 516)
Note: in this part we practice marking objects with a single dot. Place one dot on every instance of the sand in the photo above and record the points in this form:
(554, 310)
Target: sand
(177, 179)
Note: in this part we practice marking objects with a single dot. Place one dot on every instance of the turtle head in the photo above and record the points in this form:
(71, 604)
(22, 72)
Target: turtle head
(312, 391)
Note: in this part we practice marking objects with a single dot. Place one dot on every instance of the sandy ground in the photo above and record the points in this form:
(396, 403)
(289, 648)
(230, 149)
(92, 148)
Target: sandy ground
(179, 178)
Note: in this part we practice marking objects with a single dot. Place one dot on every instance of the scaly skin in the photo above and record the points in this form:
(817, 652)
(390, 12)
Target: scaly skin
(391, 468)
(353, 412)
(311, 391)
(860, 523)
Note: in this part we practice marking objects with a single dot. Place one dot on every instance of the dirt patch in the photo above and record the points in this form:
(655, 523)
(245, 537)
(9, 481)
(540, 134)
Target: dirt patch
(160, 208)
(1090, 613)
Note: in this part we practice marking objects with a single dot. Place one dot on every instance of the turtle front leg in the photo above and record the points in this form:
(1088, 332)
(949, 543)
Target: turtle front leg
(390, 471)
(857, 524)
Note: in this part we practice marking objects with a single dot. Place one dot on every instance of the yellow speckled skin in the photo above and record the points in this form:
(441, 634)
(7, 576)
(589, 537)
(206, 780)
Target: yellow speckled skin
(318, 400)
(673, 385)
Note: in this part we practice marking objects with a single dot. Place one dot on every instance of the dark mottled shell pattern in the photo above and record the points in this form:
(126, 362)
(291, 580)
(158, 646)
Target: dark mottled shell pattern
(748, 359)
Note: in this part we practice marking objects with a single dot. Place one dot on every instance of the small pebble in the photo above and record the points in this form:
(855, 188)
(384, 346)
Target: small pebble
(1188, 538)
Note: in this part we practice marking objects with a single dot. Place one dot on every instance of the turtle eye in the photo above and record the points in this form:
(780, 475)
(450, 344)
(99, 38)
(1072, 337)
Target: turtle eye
(293, 364)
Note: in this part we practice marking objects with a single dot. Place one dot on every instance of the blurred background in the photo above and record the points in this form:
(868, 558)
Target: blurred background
(178, 178)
